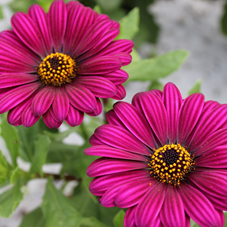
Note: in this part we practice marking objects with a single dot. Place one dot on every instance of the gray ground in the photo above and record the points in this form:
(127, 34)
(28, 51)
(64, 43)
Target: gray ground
(186, 24)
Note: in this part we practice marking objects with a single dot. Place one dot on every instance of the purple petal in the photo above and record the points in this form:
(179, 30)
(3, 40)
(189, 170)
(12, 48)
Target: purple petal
(99, 66)
(188, 116)
(27, 31)
(95, 141)
(117, 77)
(98, 109)
(118, 137)
(198, 207)
(39, 16)
(60, 105)
(57, 21)
(99, 86)
(42, 101)
(81, 98)
(15, 79)
(104, 166)
(110, 152)
(50, 121)
(149, 207)
(172, 213)
(129, 220)
(17, 95)
(74, 117)
(113, 119)
(124, 58)
(28, 118)
(219, 204)
(172, 100)
(121, 93)
(135, 122)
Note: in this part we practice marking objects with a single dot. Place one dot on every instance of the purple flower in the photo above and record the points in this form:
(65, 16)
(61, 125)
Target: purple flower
(58, 64)
(164, 158)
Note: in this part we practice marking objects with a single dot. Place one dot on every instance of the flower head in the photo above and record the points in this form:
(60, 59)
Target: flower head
(58, 64)
(164, 158)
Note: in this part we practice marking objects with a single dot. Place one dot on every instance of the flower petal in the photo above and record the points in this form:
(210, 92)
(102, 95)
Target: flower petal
(95, 141)
(172, 100)
(98, 109)
(57, 21)
(172, 213)
(104, 166)
(50, 121)
(121, 93)
(135, 122)
(113, 119)
(188, 116)
(42, 101)
(118, 137)
(28, 118)
(129, 220)
(117, 77)
(74, 117)
(198, 207)
(27, 31)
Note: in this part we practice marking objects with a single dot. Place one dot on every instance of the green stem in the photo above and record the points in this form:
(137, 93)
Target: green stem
(84, 132)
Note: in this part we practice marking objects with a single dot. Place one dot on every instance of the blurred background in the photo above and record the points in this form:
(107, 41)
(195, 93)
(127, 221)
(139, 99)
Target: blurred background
(199, 26)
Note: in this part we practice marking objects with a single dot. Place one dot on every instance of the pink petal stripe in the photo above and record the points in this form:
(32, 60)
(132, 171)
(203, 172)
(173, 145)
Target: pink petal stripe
(99, 185)
(9, 39)
(113, 119)
(155, 113)
(172, 100)
(99, 86)
(129, 220)
(15, 79)
(172, 212)
(108, 198)
(188, 116)
(209, 105)
(121, 92)
(39, 16)
(57, 21)
(81, 98)
(149, 207)
(124, 58)
(131, 194)
(214, 183)
(27, 31)
(104, 166)
(110, 152)
(219, 204)
(42, 101)
(135, 122)
(50, 122)
(28, 118)
(98, 109)
(95, 141)
(209, 122)
(99, 66)
(17, 95)
(215, 158)
(117, 77)
(79, 22)
(219, 138)
(60, 105)
(74, 117)
(118, 137)
(198, 207)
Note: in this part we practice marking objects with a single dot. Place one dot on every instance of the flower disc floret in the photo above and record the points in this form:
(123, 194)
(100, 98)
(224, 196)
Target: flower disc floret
(170, 164)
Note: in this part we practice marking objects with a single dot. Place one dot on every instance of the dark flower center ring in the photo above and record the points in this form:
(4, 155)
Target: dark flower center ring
(57, 69)
(170, 164)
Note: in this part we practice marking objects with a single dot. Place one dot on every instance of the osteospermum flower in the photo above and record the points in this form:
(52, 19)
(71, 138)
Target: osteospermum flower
(164, 158)
(58, 64)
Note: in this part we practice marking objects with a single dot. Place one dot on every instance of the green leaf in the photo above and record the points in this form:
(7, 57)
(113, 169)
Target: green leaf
(10, 199)
(119, 219)
(91, 222)
(34, 219)
(129, 25)
(58, 210)
(41, 148)
(1, 13)
(5, 169)
(98, 9)
(195, 88)
(224, 20)
(155, 68)
(10, 135)
(193, 224)
(156, 85)
(225, 213)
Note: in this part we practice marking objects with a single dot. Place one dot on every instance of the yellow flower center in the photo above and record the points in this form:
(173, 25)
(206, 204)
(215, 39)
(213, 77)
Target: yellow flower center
(170, 163)
(57, 69)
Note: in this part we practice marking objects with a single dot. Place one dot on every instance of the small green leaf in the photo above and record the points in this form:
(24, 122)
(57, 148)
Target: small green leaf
(5, 169)
(156, 85)
(41, 148)
(1, 13)
(155, 68)
(98, 9)
(34, 219)
(10, 199)
(119, 219)
(58, 210)
(129, 25)
(91, 222)
(196, 88)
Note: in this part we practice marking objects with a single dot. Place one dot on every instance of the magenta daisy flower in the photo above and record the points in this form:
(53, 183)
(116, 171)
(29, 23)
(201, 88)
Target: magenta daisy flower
(58, 64)
(164, 158)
